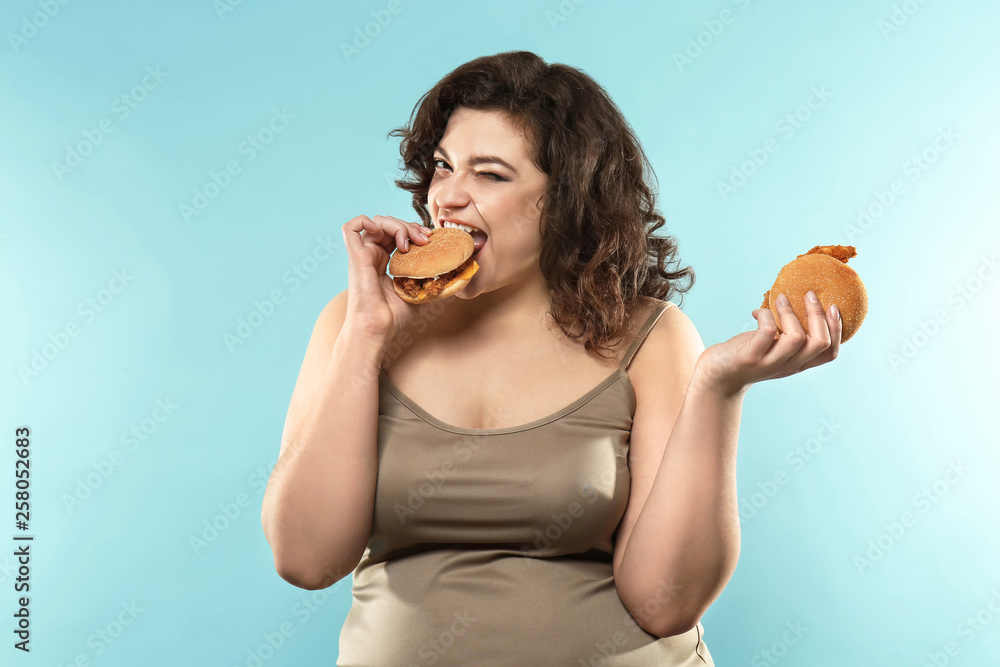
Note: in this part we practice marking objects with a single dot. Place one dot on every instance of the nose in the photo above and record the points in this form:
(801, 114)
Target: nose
(451, 194)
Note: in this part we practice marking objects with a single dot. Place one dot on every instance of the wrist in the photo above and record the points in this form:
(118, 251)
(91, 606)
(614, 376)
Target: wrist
(361, 353)
(705, 382)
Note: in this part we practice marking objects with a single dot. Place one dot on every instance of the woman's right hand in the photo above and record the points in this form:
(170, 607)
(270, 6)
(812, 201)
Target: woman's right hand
(373, 304)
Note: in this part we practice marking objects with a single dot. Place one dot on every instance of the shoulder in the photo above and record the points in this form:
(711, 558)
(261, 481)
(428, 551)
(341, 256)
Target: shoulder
(327, 329)
(331, 318)
(669, 350)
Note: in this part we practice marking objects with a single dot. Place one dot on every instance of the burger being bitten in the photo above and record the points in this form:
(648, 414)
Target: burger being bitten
(436, 270)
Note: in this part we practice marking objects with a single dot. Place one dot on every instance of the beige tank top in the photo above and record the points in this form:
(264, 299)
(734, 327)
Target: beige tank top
(495, 546)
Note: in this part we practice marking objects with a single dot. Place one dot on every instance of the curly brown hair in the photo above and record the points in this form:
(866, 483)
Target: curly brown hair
(599, 252)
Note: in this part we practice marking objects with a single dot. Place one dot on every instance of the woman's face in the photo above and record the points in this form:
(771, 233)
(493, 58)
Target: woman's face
(503, 200)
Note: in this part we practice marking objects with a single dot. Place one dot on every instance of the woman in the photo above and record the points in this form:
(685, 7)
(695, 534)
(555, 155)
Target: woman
(539, 470)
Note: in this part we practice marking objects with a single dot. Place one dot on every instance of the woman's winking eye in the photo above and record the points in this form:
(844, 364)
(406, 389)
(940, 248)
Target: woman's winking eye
(478, 173)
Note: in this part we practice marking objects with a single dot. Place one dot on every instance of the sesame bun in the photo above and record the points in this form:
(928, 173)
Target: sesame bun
(823, 270)
(436, 270)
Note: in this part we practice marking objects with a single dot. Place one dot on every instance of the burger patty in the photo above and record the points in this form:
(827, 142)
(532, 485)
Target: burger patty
(434, 286)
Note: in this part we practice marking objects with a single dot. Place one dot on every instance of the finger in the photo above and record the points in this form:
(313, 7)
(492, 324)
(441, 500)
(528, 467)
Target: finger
(416, 229)
(376, 234)
(370, 230)
(359, 231)
(373, 228)
(358, 224)
(792, 336)
(818, 338)
(355, 244)
(401, 232)
(764, 337)
(756, 314)
(836, 327)
(419, 233)
(395, 231)
(369, 234)
(786, 314)
(390, 236)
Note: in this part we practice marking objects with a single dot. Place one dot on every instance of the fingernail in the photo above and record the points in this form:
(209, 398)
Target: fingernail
(406, 244)
(836, 311)
(812, 296)
(782, 300)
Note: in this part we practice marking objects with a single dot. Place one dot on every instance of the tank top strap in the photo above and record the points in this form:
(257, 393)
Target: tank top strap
(660, 308)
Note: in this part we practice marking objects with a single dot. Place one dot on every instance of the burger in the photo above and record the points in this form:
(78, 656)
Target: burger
(823, 270)
(436, 270)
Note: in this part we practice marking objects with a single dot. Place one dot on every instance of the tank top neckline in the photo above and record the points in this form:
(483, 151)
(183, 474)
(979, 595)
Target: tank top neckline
(444, 426)
(619, 374)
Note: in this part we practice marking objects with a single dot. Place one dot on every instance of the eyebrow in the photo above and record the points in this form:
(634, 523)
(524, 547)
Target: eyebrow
(481, 159)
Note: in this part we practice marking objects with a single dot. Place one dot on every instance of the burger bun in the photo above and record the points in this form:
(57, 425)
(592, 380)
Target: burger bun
(824, 271)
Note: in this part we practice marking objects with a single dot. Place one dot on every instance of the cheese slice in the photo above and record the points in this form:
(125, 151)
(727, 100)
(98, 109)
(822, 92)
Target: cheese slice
(469, 270)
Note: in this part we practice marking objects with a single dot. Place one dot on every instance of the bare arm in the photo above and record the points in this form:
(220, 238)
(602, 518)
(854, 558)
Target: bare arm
(688, 533)
(317, 508)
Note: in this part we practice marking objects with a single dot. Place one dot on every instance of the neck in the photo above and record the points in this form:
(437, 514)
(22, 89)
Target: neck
(516, 310)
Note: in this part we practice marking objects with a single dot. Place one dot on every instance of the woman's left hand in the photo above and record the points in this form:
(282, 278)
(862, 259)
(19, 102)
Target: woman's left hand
(732, 366)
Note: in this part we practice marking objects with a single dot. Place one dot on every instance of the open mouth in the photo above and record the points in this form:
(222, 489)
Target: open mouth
(480, 241)
(479, 237)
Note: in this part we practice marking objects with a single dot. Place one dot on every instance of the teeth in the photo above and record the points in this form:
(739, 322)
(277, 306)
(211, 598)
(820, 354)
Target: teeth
(465, 228)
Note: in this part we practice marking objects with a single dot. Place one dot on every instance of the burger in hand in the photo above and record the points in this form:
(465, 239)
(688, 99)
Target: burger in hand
(823, 270)
(436, 270)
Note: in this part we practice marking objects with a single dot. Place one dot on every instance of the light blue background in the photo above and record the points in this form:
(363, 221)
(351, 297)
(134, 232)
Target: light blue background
(898, 426)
